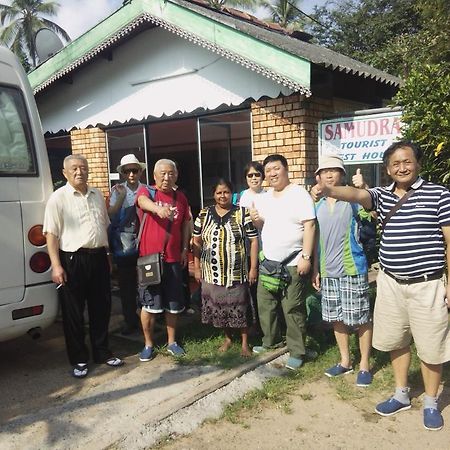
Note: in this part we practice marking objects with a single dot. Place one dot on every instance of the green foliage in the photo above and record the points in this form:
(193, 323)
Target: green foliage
(21, 21)
(361, 28)
(411, 39)
(245, 4)
(392, 35)
(285, 13)
(429, 44)
(425, 99)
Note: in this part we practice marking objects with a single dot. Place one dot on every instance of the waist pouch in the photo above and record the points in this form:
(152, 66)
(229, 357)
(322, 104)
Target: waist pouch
(274, 275)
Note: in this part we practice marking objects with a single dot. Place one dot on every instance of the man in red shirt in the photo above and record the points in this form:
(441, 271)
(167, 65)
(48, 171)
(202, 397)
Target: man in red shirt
(167, 297)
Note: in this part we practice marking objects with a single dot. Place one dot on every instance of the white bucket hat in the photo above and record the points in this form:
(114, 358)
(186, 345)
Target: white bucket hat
(330, 162)
(130, 159)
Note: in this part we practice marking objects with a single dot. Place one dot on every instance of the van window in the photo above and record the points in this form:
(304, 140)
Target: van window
(16, 150)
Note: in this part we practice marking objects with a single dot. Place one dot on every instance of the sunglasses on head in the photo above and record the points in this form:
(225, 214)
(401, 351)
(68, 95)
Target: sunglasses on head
(254, 174)
(127, 171)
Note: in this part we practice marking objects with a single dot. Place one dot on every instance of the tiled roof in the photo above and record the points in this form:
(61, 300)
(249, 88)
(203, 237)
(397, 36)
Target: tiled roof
(280, 37)
(123, 23)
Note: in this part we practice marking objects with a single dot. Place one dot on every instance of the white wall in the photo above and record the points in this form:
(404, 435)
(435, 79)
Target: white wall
(107, 91)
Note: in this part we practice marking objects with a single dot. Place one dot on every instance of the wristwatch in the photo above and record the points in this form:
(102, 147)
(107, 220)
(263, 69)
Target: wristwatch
(306, 257)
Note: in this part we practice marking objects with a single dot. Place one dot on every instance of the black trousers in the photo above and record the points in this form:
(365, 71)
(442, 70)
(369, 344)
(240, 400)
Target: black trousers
(88, 281)
(127, 277)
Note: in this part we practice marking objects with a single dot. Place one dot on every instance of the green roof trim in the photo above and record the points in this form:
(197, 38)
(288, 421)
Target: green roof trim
(257, 55)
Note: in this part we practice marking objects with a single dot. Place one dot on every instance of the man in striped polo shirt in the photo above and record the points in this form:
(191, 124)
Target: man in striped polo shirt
(411, 296)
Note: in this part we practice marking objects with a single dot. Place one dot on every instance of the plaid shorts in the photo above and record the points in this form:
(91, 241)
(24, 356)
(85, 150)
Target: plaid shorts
(346, 299)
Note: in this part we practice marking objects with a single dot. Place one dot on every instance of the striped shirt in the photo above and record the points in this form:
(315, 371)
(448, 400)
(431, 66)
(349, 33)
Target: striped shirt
(412, 243)
(223, 257)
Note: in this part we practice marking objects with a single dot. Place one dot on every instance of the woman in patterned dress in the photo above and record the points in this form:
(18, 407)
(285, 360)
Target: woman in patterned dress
(220, 261)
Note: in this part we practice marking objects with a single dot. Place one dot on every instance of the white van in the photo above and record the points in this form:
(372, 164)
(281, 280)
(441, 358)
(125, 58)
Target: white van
(28, 298)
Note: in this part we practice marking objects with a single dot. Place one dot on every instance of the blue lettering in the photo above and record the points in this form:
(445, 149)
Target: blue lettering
(348, 156)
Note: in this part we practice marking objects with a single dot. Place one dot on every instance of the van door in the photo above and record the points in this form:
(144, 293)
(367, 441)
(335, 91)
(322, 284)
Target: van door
(12, 271)
(16, 159)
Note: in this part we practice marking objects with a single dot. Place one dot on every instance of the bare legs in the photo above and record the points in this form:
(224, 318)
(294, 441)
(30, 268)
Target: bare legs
(245, 352)
(431, 373)
(365, 344)
(171, 325)
(148, 325)
(227, 342)
(341, 332)
(400, 360)
(341, 335)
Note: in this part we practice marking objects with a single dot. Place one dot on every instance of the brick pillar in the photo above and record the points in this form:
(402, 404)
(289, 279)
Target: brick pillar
(91, 143)
(288, 126)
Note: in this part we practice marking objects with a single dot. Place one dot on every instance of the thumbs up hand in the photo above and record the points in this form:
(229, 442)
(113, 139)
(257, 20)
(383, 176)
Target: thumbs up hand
(254, 213)
(319, 190)
(358, 180)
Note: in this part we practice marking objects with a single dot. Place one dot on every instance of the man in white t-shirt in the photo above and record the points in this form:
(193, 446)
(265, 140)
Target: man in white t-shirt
(287, 218)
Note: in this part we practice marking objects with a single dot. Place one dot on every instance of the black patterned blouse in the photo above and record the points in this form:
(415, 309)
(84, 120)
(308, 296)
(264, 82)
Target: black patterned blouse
(223, 258)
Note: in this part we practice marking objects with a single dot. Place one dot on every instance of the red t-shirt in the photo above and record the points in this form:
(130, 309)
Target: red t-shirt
(154, 232)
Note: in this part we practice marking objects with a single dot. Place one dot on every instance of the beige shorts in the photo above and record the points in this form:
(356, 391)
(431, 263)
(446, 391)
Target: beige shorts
(412, 311)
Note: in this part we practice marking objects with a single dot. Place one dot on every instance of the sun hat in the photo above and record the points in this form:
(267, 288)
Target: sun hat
(130, 159)
(330, 162)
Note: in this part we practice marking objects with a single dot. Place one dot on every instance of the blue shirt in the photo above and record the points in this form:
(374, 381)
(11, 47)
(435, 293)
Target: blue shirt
(340, 251)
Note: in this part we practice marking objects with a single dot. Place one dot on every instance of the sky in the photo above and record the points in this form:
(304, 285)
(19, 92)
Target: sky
(78, 16)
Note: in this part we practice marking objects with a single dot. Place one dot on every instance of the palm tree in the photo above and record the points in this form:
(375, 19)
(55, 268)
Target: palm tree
(22, 20)
(285, 13)
(245, 4)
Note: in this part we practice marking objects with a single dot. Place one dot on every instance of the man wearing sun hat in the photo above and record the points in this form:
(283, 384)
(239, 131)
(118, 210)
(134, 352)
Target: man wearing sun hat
(122, 212)
(340, 272)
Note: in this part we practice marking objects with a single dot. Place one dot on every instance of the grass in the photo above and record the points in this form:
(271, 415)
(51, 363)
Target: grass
(202, 342)
(278, 391)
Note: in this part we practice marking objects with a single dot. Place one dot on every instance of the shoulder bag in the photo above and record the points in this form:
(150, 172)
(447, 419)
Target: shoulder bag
(396, 207)
(150, 267)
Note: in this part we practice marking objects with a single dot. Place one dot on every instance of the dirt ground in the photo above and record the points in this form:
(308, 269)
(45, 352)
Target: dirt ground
(319, 419)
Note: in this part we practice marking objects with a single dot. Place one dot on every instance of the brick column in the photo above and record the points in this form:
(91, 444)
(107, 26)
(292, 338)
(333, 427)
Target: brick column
(288, 126)
(91, 143)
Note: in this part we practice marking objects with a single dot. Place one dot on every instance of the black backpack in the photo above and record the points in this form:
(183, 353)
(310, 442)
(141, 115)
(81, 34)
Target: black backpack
(367, 235)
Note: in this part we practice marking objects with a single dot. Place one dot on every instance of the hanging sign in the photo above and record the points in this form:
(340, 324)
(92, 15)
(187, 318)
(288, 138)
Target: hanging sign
(360, 139)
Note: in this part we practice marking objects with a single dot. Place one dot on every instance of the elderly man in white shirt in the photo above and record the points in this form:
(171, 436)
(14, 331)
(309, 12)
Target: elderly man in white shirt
(75, 225)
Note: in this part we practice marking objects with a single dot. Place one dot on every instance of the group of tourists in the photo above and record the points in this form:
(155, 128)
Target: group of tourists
(254, 259)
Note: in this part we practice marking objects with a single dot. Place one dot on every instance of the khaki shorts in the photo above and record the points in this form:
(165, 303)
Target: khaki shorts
(418, 311)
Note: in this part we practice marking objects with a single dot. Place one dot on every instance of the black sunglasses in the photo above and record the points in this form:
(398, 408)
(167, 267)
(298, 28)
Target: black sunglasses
(254, 174)
(127, 171)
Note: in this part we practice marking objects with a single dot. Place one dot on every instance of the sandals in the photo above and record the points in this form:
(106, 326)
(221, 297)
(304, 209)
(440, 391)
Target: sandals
(80, 370)
(114, 362)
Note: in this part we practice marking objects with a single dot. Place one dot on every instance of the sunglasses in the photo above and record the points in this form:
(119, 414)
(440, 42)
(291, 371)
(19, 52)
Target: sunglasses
(134, 171)
(254, 174)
